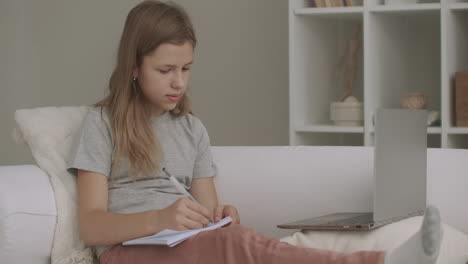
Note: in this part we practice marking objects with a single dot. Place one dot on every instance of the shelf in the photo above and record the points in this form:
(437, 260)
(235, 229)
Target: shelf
(434, 130)
(412, 61)
(329, 129)
(458, 6)
(331, 12)
(406, 48)
(457, 130)
(407, 9)
(316, 49)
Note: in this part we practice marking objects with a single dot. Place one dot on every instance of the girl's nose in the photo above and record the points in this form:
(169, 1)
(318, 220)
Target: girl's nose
(178, 82)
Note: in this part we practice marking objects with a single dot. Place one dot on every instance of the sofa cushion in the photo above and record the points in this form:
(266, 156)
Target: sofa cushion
(454, 248)
(27, 215)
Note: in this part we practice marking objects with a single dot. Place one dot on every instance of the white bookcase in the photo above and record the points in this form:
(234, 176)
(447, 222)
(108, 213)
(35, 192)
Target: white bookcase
(405, 48)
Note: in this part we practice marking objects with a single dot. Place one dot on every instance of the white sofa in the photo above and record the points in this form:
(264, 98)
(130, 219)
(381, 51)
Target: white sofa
(269, 185)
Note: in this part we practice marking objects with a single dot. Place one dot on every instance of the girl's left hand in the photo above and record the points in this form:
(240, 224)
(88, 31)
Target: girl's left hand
(222, 211)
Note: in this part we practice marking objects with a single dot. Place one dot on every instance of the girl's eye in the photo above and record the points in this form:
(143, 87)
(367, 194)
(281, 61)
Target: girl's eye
(164, 71)
(186, 69)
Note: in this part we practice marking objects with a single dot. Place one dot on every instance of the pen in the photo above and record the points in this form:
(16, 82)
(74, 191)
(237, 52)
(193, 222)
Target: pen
(181, 188)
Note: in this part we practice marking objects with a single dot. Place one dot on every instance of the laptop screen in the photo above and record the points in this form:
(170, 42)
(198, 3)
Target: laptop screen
(400, 163)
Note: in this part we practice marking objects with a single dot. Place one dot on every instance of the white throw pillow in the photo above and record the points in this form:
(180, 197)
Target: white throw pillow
(454, 248)
(49, 133)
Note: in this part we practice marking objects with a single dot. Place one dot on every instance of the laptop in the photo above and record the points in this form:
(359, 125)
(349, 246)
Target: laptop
(400, 157)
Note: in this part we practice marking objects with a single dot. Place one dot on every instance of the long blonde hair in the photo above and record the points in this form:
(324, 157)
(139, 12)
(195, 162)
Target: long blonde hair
(148, 25)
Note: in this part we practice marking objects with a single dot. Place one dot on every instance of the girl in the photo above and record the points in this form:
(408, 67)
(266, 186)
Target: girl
(145, 124)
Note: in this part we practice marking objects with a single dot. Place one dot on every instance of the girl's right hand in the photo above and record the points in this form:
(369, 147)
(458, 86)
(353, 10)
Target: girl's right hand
(184, 214)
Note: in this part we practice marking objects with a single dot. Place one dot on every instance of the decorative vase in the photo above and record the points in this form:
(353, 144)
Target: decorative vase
(347, 113)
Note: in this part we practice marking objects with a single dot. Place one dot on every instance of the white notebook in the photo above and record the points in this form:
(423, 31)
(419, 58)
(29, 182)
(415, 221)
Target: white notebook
(171, 238)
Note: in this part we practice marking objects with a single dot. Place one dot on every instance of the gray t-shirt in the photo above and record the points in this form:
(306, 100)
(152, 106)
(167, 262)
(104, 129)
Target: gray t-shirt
(187, 156)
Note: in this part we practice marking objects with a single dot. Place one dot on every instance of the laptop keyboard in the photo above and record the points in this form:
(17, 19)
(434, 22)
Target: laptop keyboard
(361, 219)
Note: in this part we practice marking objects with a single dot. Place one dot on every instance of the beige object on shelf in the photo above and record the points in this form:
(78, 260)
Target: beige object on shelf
(414, 101)
(347, 113)
(348, 64)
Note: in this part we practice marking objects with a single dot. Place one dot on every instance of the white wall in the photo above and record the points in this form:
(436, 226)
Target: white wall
(57, 52)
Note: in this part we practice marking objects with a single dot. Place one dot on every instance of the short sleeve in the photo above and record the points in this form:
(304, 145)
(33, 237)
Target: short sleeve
(204, 165)
(92, 147)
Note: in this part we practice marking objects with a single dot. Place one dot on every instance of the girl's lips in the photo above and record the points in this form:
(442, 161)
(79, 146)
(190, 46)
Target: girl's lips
(173, 98)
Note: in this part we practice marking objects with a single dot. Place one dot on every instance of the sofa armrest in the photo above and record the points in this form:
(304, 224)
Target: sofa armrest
(27, 215)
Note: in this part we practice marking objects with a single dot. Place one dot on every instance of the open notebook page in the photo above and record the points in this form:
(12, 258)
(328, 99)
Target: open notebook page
(173, 237)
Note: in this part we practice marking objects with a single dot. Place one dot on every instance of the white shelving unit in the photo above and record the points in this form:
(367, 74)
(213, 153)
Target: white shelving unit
(406, 48)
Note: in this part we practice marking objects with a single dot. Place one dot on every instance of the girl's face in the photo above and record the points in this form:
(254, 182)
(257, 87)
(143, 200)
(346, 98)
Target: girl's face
(163, 75)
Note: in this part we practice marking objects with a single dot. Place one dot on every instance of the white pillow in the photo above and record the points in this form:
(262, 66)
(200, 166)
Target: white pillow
(454, 248)
(49, 133)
